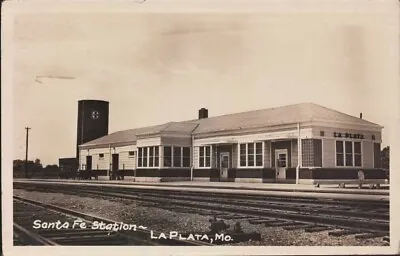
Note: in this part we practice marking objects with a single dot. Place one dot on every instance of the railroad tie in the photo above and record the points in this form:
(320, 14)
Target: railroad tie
(278, 223)
(24, 214)
(220, 214)
(202, 212)
(317, 229)
(71, 232)
(294, 227)
(191, 211)
(241, 217)
(24, 223)
(343, 232)
(92, 241)
(206, 213)
(261, 221)
(287, 224)
(27, 218)
(227, 217)
(250, 219)
(369, 235)
(82, 236)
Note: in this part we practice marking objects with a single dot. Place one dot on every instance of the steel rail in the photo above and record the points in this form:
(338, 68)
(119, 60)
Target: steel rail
(34, 238)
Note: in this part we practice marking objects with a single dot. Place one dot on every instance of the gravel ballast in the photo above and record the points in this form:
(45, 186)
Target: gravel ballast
(161, 220)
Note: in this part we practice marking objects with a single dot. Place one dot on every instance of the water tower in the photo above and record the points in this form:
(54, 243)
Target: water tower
(92, 121)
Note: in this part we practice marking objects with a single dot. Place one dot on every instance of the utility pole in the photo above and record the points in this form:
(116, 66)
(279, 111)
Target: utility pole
(26, 152)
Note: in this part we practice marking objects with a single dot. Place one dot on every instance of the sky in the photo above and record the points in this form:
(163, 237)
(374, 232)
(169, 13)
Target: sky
(159, 67)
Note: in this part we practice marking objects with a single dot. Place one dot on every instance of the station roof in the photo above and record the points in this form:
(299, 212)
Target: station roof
(298, 113)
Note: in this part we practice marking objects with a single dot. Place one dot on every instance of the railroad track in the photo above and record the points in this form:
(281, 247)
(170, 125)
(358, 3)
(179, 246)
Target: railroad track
(298, 190)
(308, 200)
(366, 219)
(61, 226)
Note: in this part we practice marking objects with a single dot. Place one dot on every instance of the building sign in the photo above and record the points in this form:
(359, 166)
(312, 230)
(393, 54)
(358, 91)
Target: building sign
(95, 114)
(348, 135)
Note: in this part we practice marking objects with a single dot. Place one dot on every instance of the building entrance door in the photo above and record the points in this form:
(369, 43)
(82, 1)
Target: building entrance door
(88, 173)
(115, 165)
(281, 163)
(88, 163)
(223, 165)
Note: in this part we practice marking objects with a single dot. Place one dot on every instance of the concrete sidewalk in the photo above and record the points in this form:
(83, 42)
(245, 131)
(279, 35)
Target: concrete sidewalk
(351, 189)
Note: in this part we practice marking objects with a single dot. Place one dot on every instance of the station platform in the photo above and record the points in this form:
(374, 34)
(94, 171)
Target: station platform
(331, 191)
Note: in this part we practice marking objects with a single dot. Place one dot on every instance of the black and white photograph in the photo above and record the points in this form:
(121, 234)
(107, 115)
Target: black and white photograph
(200, 128)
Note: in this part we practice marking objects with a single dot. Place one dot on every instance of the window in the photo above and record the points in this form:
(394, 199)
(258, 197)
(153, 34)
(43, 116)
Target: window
(317, 152)
(357, 154)
(205, 156)
(101, 156)
(339, 153)
(208, 157)
(307, 152)
(186, 157)
(140, 157)
(243, 152)
(167, 156)
(377, 155)
(201, 157)
(148, 156)
(282, 160)
(311, 152)
(131, 153)
(259, 155)
(251, 154)
(348, 153)
(145, 157)
(177, 156)
(156, 156)
(151, 156)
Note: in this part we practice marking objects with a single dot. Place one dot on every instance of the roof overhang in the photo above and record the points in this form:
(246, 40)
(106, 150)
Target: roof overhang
(164, 134)
(277, 127)
(106, 145)
(250, 130)
(255, 137)
(348, 125)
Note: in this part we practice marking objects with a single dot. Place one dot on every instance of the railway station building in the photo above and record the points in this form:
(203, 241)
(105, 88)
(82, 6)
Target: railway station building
(305, 143)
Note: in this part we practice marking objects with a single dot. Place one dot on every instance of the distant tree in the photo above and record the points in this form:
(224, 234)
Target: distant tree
(51, 166)
(36, 166)
(19, 165)
(38, 163)
(385, 157)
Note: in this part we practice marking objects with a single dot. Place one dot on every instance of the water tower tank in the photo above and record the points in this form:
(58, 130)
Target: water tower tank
(92, 121)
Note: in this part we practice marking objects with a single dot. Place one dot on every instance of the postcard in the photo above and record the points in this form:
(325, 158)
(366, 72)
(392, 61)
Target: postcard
(152, 127)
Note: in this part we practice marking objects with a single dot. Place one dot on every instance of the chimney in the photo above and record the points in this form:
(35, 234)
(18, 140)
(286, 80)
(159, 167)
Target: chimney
(361, 115)
(203, 113)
